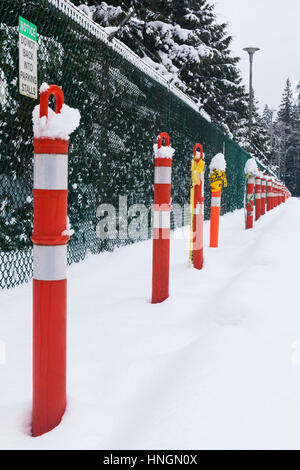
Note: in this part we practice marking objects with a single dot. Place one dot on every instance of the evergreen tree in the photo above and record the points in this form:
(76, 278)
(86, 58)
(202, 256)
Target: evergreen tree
(268, 123)
(288, 135)
(182, 40)
(267, 117)
(261, 144)
(293, 151)
(285, 113)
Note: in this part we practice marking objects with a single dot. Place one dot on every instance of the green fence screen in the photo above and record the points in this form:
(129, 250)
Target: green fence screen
(111, 153)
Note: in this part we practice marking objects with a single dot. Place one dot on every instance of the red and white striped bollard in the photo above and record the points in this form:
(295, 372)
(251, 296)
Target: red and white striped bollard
(50, 238)
(263, 195)
(257, 196)
(161, 219)
(269, 193)
(198, 218)
(250, 171)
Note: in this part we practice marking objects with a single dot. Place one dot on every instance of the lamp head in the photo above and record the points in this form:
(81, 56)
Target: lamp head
(251, 50)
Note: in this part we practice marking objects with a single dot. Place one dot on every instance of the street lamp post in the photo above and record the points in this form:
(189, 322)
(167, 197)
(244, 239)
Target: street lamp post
(251, 51)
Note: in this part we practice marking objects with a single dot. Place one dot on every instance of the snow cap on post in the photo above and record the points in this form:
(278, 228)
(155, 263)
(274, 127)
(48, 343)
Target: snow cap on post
(251, 167)
(44, 87)
(48, 124)
(198, 151)
(199, 155)
(218, 163)
(161, 151)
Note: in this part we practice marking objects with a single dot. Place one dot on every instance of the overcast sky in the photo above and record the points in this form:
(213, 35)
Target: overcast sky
(274, 26)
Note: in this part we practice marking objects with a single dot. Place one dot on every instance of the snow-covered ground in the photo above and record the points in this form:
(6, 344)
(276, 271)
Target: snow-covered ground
(216, 366)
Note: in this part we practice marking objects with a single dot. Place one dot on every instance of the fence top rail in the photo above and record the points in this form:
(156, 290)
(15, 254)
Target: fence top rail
(81, 18)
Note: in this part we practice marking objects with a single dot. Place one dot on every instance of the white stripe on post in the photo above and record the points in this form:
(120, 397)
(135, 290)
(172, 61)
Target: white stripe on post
(165, 219)
(197, 210)
(161, 219)
(49, 262)
(215, 201)
(50, 171)
(162, 175)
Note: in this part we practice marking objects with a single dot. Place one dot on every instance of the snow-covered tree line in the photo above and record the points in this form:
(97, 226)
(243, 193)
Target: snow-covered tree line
(185, 42)
(286, 136)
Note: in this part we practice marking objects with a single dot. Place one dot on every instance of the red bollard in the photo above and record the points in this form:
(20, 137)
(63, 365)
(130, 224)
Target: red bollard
(251, 171)
(279, 193)
(49, 274)
(218, 179)
(276, 194)
(257, 196)
(263, 195)
(161, 220)
(215, 219)
(198, 216)
(269, 193)
(273, 193)
(250, 202)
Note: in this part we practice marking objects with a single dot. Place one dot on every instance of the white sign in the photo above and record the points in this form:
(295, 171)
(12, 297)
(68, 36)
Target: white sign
(28, 82)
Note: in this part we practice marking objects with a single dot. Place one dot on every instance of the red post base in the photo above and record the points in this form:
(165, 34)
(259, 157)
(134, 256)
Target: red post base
(262, 206)
(250, 203)
(198, 228)
(49, 354)
(161, 265)
(198, 259)
(215, 219)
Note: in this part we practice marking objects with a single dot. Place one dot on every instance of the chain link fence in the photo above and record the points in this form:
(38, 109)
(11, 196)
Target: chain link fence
(111, 154)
